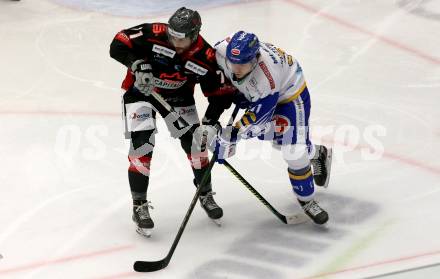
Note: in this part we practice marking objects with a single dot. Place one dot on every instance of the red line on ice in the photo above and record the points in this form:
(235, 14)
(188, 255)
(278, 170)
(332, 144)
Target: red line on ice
(389, 155)
(349, 25)
(65, 259)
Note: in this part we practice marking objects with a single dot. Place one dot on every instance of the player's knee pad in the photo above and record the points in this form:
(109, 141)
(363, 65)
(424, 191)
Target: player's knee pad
(302, 183)
(296, 155)
(140, 164)
(142, 143)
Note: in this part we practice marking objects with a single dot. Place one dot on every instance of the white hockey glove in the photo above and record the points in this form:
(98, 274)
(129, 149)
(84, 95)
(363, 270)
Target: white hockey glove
(144, 77)
(205, 134)
(226, 143)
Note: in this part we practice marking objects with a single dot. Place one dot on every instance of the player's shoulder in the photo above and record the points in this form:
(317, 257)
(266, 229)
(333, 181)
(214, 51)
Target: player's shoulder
(145, 31)
(156, 30)
(202, 54)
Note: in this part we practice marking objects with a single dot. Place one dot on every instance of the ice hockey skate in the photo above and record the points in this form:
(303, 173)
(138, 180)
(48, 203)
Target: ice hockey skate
(314, 211)
(211, 208)
(141, 217)
(321, 165)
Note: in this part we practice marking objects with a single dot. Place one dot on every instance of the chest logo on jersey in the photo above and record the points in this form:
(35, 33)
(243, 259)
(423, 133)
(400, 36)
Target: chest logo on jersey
(267, 73)
(168, 84)
(193, 67)
(164, 51)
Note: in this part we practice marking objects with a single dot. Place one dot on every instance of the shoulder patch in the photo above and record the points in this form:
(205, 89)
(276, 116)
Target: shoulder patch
(164, 50)
(267, 74)
(195, 68)
(123, 38)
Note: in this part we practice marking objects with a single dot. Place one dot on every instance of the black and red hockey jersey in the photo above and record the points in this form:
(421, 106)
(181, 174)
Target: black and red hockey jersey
(175, 74)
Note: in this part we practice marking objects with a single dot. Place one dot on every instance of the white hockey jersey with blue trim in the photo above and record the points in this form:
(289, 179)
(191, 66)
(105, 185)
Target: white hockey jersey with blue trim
(275, 71)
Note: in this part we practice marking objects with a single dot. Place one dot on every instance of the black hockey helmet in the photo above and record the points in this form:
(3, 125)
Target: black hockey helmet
(184, 23)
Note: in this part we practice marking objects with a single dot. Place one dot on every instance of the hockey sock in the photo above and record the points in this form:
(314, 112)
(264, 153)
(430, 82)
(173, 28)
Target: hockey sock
(138, 176)
(302, 183)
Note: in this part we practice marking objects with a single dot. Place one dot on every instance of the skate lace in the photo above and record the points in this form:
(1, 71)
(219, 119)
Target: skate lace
(208, 201)
(142, 210)
(319, 163)
(313, 208)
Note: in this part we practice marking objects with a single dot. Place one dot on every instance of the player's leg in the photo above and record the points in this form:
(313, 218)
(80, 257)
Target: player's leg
(320, 155)
(199, 162)
(292, 135)
(197, 157)
(140, 128)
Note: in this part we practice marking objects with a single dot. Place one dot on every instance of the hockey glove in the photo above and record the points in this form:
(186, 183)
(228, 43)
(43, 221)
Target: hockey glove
(225, 143)
(240, 100)
(144, 80)
(205, 134)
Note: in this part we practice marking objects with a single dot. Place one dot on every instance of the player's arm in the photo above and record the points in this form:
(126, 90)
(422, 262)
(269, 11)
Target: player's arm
(219, 93)
(259, 113)
(127, 45)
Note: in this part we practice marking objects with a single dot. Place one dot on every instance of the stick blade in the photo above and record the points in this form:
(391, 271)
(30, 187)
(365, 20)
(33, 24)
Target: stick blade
(143, 266)
(297, 219)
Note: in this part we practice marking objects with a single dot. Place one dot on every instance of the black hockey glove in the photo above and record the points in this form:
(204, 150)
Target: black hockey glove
(144, 77)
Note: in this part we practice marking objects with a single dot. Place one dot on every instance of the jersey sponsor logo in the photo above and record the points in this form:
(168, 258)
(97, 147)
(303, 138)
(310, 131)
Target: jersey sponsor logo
(164, 51)
(195, 68)
(235, 51)
(140, 116)
(270, 53)
(187, 110)
(268, 75)
(168, 84)
(282, 123)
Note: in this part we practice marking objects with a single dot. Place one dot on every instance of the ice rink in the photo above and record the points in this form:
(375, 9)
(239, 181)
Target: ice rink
(373, 71)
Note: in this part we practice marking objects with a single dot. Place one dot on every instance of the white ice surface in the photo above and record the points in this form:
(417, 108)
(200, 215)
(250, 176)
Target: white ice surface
(64, 195)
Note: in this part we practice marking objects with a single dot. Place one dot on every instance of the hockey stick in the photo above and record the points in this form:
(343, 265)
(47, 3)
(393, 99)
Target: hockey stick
(150, 266)
(290, 219)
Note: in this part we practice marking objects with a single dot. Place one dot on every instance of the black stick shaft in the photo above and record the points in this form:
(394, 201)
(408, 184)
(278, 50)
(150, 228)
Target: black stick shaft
(146, 266)
(255, 192)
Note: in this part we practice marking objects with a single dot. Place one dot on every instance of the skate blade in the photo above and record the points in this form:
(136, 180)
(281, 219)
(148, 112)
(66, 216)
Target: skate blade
(144, 232)
(297, 219)
(329, 166)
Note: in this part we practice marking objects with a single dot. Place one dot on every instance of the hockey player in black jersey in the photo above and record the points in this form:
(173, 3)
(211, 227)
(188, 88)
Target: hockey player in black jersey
(167, 59)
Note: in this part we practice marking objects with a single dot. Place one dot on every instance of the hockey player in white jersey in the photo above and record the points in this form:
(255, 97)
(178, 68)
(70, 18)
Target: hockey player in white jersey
(277, 102)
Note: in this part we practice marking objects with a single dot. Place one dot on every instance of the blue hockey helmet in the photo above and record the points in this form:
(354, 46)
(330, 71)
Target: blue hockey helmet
(242, 48)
